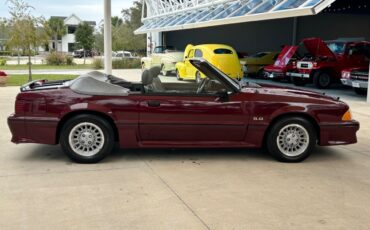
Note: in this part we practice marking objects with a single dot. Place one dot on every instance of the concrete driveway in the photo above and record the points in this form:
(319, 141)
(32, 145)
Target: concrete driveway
(40, 188)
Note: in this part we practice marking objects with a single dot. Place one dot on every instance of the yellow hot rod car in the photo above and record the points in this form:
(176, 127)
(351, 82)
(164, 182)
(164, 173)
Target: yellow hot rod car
(221, 56)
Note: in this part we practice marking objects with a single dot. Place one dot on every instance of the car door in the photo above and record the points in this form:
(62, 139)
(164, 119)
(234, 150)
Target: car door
(192, 118)
(190, 70)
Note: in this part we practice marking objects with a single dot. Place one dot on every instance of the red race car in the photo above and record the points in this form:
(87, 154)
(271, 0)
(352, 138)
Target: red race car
(89, 114)
(283, 64)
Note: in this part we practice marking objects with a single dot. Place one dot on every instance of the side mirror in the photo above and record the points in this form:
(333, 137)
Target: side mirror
(222, 95)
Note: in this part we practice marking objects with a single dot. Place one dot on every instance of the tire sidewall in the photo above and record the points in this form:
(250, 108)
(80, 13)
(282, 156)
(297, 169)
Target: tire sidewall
(273, 133)
(102, 124)
(318, 77)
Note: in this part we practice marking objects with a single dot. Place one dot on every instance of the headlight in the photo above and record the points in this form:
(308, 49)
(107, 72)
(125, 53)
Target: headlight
(346, 74)
(347, 116)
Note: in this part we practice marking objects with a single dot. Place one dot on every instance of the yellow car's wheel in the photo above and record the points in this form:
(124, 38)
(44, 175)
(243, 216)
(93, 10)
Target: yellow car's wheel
(178, 75)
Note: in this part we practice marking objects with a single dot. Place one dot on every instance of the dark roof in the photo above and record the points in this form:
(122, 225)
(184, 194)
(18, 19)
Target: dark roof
(91, 23)
(60, 17)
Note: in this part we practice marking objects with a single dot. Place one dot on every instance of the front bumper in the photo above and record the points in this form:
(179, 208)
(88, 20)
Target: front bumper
(339, 133)
(355, 83)
(300, 75)
(33, 129)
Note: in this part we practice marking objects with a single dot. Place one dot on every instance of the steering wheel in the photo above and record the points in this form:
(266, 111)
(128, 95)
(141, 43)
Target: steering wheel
(202, 85)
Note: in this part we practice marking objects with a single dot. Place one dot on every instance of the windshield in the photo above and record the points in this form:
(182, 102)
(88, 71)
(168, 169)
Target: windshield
(337, 47)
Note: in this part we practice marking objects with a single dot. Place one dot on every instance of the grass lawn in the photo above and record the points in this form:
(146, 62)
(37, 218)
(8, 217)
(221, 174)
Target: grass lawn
(18, 80)
(44, 66)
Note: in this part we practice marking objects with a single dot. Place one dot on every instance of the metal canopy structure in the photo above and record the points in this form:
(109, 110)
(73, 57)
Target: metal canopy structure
(170, 15)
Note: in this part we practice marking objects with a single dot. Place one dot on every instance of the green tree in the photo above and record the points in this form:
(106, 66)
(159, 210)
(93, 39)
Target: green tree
(26, 31)
(85, 37)
(56, 29)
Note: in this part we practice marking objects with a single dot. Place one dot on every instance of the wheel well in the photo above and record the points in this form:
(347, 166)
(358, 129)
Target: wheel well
(75, 113)
(300, 115)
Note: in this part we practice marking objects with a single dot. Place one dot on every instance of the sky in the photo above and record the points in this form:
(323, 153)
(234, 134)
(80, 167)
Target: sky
(87, 10)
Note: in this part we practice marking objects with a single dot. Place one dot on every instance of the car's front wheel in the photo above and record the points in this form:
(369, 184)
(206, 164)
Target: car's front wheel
(87, 138)
(291, 139)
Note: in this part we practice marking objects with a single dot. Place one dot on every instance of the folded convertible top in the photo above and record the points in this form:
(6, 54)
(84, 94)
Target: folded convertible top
(97, 83)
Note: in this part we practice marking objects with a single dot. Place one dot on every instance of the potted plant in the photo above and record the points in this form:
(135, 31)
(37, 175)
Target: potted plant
(3, 78)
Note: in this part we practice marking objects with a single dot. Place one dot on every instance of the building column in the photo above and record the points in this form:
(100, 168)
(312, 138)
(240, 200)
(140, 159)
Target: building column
(368, 88)
(107, 37)
(295, 31)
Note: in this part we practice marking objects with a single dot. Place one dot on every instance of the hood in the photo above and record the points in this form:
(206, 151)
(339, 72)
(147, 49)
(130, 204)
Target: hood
(317, 47)
(285, 55)
(174, 56)
(297, 93)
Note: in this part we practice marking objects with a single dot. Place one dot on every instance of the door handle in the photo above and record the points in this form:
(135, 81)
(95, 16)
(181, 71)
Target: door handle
(154, 103)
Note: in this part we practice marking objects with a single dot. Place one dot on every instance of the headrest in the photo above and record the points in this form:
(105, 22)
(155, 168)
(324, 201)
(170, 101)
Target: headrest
(146, 77)
(155, 71)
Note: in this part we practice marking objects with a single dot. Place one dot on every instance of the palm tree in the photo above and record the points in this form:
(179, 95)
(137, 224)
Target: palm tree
(56, 29)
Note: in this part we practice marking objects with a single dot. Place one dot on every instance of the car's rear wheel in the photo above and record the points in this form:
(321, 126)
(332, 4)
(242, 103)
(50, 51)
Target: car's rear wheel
(291, 139)
(87, 138)
(298, 81)
(178, 75)
(198, 78)
(322, 80)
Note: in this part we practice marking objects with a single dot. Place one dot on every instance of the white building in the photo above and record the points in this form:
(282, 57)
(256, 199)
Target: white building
(67, 42)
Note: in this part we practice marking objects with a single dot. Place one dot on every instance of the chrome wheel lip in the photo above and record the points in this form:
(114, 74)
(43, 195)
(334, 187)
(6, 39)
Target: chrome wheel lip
(293, 140)
(86, 139)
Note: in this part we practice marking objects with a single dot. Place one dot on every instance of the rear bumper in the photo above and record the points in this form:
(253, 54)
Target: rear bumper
(355, 83)
(341, 133)
(33, 129)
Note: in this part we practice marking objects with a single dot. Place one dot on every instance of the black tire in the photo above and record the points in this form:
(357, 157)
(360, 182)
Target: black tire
(298, 81)
(322, 80)
(260, 73)
(282, 124)
(198, 78)
(107, 133)
(360, 91)
(178, 75)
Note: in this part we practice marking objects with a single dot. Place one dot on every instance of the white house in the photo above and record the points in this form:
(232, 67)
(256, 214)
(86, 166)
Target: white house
(67, 42)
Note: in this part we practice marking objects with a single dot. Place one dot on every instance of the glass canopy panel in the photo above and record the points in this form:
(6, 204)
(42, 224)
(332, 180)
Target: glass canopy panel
(312, 3)
(290, 4)
(246, 8)
(212, 14)
(184, 14)
(188, 17)
(229, 10)
(266, 6)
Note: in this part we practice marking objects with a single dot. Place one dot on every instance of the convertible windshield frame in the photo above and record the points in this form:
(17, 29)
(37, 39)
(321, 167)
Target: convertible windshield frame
(214, 73)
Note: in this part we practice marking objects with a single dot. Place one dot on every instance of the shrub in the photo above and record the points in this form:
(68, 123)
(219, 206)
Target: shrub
(69, 60)
(2, 62)
(98, 63)
(126, 64)
(55, 58)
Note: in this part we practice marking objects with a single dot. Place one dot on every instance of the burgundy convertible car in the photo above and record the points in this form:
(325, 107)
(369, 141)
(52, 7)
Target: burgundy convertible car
(89, 114)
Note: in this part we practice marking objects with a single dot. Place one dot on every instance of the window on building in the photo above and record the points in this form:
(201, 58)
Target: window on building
(72, 29)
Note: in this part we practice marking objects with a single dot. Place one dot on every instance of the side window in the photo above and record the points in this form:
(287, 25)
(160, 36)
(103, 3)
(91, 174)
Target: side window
(191, 54)
(198, 53)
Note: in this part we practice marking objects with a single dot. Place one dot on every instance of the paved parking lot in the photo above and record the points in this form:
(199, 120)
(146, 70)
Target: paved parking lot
(40, 188)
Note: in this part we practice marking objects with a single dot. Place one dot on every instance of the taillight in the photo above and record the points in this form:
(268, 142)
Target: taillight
(20, 106)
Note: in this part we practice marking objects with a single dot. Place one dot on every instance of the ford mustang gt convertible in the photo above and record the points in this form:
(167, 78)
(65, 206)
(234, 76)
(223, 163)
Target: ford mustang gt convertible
(87, 115)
